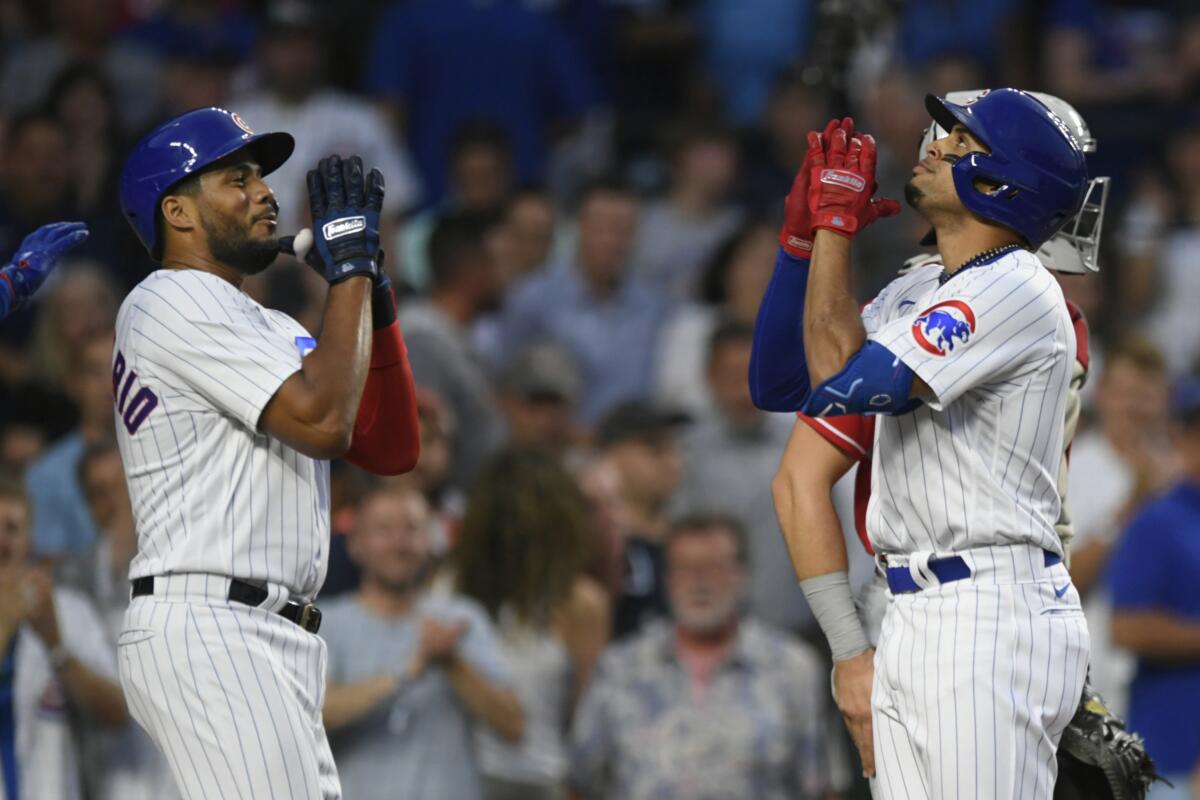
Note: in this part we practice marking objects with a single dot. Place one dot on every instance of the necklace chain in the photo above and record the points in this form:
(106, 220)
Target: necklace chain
(980, 258)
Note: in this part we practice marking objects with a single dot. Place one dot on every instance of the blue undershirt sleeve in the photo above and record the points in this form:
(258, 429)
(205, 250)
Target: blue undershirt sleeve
(778, 369)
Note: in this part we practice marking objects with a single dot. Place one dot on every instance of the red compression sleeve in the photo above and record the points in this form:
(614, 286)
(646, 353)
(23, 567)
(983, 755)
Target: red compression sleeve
(386, 438)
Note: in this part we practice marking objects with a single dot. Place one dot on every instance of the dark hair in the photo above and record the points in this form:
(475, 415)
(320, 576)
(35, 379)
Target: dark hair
(456, 237)
(696, 131)
(712, 280)
(13, 488)
(83, 72)
(481, 133)
(526, 536)
(706, 523)
(20, 123)
(91, 454)
(1139, 351)
(606, 184)
(728, 331)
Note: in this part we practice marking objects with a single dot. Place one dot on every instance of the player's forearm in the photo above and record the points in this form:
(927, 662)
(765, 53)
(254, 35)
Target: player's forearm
(1157, 636)
(386, 432)
(335, 372)
(495, 706)
(348, 703)
(833, 328)
(802, 490)
(778, 372)
(98, 696)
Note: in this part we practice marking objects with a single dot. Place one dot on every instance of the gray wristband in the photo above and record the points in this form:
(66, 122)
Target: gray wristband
(832, 604)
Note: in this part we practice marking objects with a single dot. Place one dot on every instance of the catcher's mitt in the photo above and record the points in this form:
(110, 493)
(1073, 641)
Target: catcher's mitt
(1099, 759)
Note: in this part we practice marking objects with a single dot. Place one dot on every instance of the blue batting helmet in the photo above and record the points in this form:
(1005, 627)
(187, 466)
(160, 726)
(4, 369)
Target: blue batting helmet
(181, 147)
(1035, 162)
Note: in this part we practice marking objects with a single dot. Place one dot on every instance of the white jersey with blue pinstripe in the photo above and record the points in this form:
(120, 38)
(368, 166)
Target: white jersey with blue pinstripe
(195, 362)
(977, 466)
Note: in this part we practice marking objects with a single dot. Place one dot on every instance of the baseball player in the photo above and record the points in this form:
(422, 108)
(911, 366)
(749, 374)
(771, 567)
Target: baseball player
(38, 254)
(227, 416)
(810, 468)
(967, 362)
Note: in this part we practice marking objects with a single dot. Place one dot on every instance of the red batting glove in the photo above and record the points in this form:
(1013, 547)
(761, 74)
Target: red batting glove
(796, 235)
(842, 182)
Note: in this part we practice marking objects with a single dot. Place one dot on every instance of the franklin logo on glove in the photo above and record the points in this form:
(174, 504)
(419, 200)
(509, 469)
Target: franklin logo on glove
(838, 177)
(343, 227)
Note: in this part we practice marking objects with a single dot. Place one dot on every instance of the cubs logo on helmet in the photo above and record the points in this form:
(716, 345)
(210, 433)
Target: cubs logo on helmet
(940, 327)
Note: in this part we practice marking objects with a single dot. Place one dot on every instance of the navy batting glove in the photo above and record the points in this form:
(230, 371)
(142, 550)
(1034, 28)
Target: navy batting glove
(38, 254)
(345, 212)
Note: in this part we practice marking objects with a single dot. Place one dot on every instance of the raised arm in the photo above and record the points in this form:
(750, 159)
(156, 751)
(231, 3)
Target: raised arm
(386, 435)
(315, 409)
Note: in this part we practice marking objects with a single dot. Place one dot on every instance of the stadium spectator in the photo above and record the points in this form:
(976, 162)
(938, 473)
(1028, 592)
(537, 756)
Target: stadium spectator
(1171, 320)
(525, 540)
(59, 672)
(466, 284)
(102, 570)
(642, 441)
(600, 481)
(895, 116)
(211, 24)
(196, 75)
(713, 706)
(79, 307)
(481, 174)
(521, 72)
(729, 460)
(774, 151)
(293, 95)
(538, 392)
(62, 524)
(1156, 609)
(608, 319)
(402, 711)
(121, 764)
(37, 183)
(528, 232)
(1115, 467)
(747, 44)
(678, 232)
(731, 289)
(84, 102)
(82, 31)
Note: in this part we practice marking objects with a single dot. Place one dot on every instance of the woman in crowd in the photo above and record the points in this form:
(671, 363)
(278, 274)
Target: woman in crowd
(524, 542)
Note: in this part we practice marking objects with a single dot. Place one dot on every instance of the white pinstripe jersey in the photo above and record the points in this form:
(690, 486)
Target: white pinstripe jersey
(978, 466)
(194, 364)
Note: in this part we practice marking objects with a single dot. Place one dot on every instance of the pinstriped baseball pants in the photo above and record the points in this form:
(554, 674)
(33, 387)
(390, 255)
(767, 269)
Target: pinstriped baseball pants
(232, 696)
(975, 682)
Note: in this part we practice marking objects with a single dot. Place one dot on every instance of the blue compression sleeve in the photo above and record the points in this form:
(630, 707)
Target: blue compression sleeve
(874, 381)
(778, 370)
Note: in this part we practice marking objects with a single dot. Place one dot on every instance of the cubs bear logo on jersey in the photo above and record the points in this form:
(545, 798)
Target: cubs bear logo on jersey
(940, 327)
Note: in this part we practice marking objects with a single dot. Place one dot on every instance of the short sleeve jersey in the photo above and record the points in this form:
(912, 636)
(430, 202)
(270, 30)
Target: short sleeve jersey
(195, 362)
(977, 464)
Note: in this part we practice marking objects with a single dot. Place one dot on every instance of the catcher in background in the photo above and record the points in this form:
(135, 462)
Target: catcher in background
(802, 491)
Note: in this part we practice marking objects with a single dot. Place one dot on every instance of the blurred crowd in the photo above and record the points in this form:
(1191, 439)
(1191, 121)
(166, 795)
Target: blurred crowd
(582, 590)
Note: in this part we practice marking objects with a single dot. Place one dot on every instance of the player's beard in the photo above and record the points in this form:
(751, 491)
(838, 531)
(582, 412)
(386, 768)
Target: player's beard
(913, 195)
(231, 244)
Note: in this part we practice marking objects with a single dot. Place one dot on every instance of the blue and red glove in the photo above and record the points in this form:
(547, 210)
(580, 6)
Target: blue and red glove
(842, 182)
(38, 254)
(796, 236)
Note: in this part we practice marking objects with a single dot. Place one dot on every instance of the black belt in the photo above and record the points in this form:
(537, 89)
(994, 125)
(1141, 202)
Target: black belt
(306, 615)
